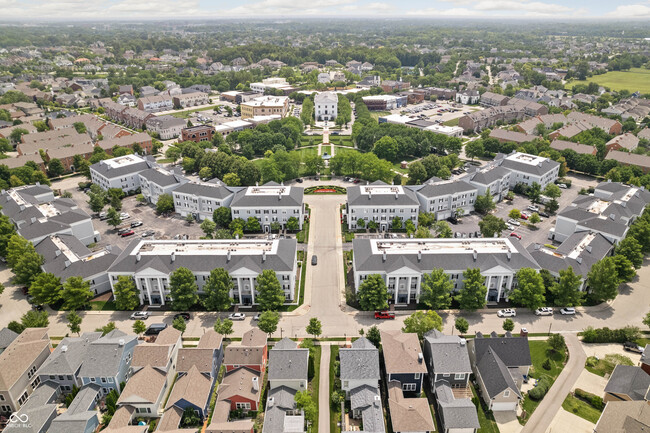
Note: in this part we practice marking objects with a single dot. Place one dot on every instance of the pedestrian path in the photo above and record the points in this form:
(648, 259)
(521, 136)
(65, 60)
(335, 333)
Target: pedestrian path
(324, 391)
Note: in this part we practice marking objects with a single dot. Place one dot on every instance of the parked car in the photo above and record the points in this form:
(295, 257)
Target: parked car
(299, 180)
(384, 315)
(524, 216)
(631, 346)
(127, 233)
(544, 214)
(533, 208)
(453, 220)
(140, 315)
(515, 235)
(185, 316)
(148, 233)
(237, 316)
(514, 222)
(135, 224)
(155, 329)
(103, 216)
(562, 185)
(544, 311)
(510, 226)
(123, 230)
(314, 260)
(508, 312)
(257, 317)
(124, 216)
(568, 311)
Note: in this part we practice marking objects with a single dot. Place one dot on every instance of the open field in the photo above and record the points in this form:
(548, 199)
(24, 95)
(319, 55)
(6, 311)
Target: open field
(632, 80)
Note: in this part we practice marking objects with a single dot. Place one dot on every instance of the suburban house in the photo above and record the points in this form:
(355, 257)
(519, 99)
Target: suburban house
(381, 203)
(402, 263)
(151, 262)
(239, 390)
(583, 149)
(82, 414)
(447, 359)
(207, 356)
(505, 136)
(191, 391)
(626, 142)
(624, 158)
(19, 364)
(107, 362)
(167, 127)
(403, 360)
(155, 103)
(270, 203)
(325, 105)
(41, 408)
(287, 375)
(500, 365)
(625, 417)
(251, 352)
(360, 376)
(457, 414)
(408, 414)
(628, 383)
(120, 172)
(201, 199)
(446, 198)
(162, 354)
(145, 392)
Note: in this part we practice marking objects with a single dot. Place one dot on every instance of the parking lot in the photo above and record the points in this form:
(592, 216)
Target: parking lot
(439, 111)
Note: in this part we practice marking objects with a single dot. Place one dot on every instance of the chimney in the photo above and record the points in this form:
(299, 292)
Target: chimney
(419, 256)
(138, 257)
(120, 342)
(228, 256)
(383, 256)
(369, 195)
(279, 196)
(263, 256)
(509, 254)
(64, 349)
(173, 256)
(256, 384)
(475, 254)
(462, 341)
(271, 401)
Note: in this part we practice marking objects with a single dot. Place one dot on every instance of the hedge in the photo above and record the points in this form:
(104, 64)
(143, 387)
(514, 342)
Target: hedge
(594, 400)
(606, 335)
(541, 389)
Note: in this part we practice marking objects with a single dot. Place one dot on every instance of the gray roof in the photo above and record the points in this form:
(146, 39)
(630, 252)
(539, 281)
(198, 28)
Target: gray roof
(447, 353)
(243, 199)
(495, 374)
(276, 418)
(108, 172)
(165, 121)
(70, 217)
(541, 169)
(367, 399)
(444, 188)
(288, 363)
(355, 198)
(513, 351)
(645, 357)
(159, 177)
(283, 261)
(455, 413)
(40, 408)
(629, 380)
(89, 264)
(69, 354)
(6, 337)
(104, 357)
(360, 363)
(210, 190)
(38, 229)
(80, 412)
(486, 177)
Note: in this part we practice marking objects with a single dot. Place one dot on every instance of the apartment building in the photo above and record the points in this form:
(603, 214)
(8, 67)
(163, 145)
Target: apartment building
(269, 203)
(191, 99)
(446, 198)
(167, 127)
(529, 169)
(197, 133)
(381, 203)
(201, 199)
(155, 103)
(157, 181)
(121, 172)
(264, 106)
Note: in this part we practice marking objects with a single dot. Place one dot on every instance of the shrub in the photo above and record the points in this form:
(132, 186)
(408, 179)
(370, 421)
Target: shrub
(606, 335)
(540, 390)
(546, 365)
(593, 399)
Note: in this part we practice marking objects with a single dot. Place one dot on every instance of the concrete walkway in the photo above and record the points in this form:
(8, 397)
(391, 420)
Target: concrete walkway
(324, 390)
(541, 419)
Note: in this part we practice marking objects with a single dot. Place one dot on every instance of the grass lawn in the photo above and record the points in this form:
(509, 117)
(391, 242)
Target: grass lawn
(606, 365)
(304, 140)
(632, 80)
(488, 425)
(335, 414)
(580, 408)
(326, 149)
(102, 305)
(314, 385)
(304, 152)
(341, 140)
(342, 150)
(398, 167)
(539, 351)
(185, 114)
(377, 114)
(452, 122)
(164, 160)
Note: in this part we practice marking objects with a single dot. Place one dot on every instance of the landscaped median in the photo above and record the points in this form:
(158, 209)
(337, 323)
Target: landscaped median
(325, 189)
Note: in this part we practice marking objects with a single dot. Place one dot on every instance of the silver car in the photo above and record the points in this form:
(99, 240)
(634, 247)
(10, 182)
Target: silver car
(237, 316)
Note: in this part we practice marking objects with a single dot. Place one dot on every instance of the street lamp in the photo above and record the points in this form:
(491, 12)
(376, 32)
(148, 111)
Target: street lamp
(281, 330)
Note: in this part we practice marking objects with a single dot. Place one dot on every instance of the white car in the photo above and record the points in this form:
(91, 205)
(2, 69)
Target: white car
(510, 226)
(569, 311)
(544, 311)
(237, 316)
(257, 316)
(140, 315)
(533, 208)
(562, 186)
(508, 312)
(514, 222)
(125, 215)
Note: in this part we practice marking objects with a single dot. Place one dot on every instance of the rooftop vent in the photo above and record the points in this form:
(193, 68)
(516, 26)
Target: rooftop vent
(494, 334)
(67, 263)
(383, 256)
(420, 357)
(579, 260)
(419, 255)
(120, 342)
(271, 401)
(263, 256)
(64, 349)
(57, 253)
(228, 256)
(475, 254)
(138, 257)
(173, 256)
(256, 384)
(462, 342)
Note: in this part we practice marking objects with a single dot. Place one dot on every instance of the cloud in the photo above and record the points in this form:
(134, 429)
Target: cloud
(513, 6)
(488, 8)
(630, 11)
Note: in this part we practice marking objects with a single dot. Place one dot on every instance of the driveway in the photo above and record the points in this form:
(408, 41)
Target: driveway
(599, 350)
(566, 421)
(591, 383)
(507, 422)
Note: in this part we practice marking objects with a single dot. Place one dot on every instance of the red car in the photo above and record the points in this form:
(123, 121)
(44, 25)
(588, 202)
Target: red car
(515, 235)
(524, 216)
(127, 233)
(384, 315)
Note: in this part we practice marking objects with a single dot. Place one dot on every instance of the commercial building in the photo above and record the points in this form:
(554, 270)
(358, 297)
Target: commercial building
(150, 263)
(270, 203)
(121, 172)
(167, 127)
(402, 263)
(201, 199)
(264, 106)
(325, 106)
(197, 133)
(381, 203)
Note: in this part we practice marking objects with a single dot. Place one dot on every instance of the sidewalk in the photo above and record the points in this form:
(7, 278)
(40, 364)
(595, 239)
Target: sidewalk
(324, 390)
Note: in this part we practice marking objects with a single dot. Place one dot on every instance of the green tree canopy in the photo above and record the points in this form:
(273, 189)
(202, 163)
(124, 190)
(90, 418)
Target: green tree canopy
(530, 289)
(567, 292)
(420, 323)
(270, 295)
(127, 296)
(46, 289)
(472, 296)
(183, 289)
(491, 225)
(484, 203)
(217, 290)
(165, 204)
(461, 324)
(373, 294)
(314, 328)
(74, 322)
(268, 322)
(435, 290)
(603, 280)
(223, 327)
(76, 293)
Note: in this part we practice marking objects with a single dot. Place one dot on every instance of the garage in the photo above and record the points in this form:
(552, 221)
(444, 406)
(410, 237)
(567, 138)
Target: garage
(504, 406)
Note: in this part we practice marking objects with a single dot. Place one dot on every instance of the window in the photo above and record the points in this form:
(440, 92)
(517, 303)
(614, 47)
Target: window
(408, 387)
(445, 375)
(2, 397)
(506, 393)
(6, 408)
(459, 376)
(246, 406)
(92, 380)
(417, 375)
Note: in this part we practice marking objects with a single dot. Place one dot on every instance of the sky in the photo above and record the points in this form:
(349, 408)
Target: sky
(215, 9)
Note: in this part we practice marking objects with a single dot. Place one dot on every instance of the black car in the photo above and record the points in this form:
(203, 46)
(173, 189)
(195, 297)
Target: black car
(155, 329)
(631, 346)
(314, 260)
(185, 316)
(453, 220)
(299, 180)
(544, 214)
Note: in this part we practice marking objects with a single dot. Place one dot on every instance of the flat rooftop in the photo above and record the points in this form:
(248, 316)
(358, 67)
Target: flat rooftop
(205, 247)
(598, 206)
(382, 189)
(443, 246)
(578, 249)
(525, 158)
(123, 161)
(268, 190)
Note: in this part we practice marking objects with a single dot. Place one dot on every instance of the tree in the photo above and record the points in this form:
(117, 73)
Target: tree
(165, 204)
(556, 342)
(76, 293)
(223, 327)
(417, 173)
(45, 289)
(646, 320)
(491, 225)
(567, 292)
(306, 403)
(397, 224)
(374, 336)
(420, 323)
(179, 324)
(25, 262)
(55, 168)
(208, 227)
(293, 224)
(139, 327)
(603, 280)
(484, 203)
(253, 225)
(74, 322)
(435, 290)
(530, 290)
(314, 328)
(217, 290)
(508, 325)
(514, 214)
(127, 296)
(190, 418)
(35, 319)
(441, 229)
(269, 322)
(409, 226)
(534, 218)
(624, 269)
(534, 191)
(552, 191)
(270, 295)
(189, 218)
(183, 289)
(96, 202)
(373, 294)
(632, 250)
(472, 296)
(110, 326)
(113, 218)
(461, 325)
(474, 148)
(222, 216)
(386, 148)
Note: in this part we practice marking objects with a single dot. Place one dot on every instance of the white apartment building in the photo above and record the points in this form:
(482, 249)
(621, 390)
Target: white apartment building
(270, 83)
(157, 181)
(326, 106)
(529, 169)
(167, 127)
(151, 262)
(269, 203)
(402, 263)
(381, 203)
(153, 104)
(201, 199)
(121, 172)
(493, 177)
(444, 198)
